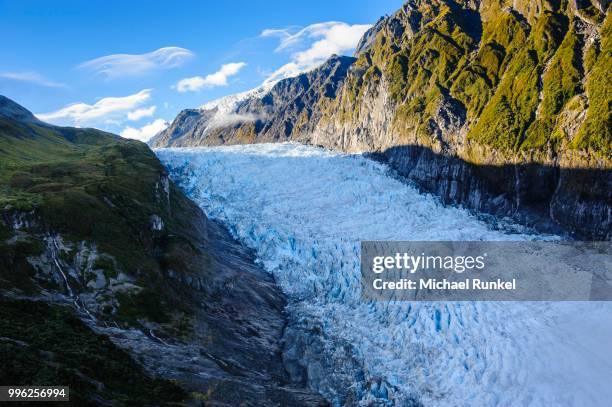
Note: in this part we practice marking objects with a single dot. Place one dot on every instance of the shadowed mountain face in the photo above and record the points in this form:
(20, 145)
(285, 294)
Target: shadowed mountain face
(104, 262)
(12, 111)
(489, 83)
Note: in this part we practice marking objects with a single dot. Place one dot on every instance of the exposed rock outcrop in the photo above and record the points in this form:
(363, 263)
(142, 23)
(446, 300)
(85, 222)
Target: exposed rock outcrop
(287, 111)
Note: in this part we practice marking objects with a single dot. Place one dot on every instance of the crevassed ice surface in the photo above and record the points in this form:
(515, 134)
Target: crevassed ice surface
(304, 211)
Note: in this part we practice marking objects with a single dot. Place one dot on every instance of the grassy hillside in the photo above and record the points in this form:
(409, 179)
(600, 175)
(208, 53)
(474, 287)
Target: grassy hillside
(90, 186)
(91, 218)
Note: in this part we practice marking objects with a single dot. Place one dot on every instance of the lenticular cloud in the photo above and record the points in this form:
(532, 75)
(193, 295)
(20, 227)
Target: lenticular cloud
(118, 65)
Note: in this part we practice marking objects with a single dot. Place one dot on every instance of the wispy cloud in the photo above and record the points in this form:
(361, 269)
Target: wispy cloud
(145, 132)
(313, 44)
(31, 77)
(140, 113)
(106, 110)
(223, 119)
(119, 65)
(218, 78)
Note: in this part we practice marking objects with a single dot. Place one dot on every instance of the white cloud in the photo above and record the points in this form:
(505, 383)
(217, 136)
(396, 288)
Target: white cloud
(140, 113)
(218, 78)
(223, 119)
(117, 65)
(322, 41)
(145, 132)
(31, 77)
(103, 111)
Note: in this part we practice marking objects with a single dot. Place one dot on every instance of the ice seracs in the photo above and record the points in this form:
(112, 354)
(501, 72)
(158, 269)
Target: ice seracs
(304, 210)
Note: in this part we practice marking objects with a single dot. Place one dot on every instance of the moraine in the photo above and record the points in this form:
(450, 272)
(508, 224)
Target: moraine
(304, 210)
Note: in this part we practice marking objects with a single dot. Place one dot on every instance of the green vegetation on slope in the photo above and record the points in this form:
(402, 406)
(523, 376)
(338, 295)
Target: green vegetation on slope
(117, 215)
(90, 186)
(561, 82)
(596, 132)
(47, 345)
(522, 73)
(512, 109)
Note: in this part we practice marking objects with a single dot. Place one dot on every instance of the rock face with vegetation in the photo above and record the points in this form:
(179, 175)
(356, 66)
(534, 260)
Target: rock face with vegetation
(114, 283)
(502, 106)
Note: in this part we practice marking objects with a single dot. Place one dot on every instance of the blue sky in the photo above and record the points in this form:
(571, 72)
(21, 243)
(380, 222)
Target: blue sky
(130, 66)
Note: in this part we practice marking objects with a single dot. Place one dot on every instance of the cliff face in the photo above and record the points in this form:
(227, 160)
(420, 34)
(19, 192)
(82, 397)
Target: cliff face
(503, 106)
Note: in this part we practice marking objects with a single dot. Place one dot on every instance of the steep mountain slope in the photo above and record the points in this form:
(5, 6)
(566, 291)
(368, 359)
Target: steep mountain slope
(95, 243)
(281, 112)
(503, 106)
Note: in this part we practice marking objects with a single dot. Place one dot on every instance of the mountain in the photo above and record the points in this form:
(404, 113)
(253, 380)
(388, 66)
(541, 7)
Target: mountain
(114, 283)
(12, 111)
(277, 112)
(501, 106)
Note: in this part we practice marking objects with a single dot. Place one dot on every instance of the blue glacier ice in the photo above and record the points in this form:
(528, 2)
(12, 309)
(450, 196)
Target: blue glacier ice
(304, 210)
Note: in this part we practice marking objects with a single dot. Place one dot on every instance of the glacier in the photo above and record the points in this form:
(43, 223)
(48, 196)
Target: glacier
(304, 210)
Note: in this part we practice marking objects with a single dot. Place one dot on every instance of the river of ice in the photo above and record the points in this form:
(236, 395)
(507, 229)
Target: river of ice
(304, 211)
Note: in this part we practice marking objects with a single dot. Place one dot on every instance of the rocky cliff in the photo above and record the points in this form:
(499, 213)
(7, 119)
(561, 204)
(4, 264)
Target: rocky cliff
(502, 106)
(282, 112)
(114, 283)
